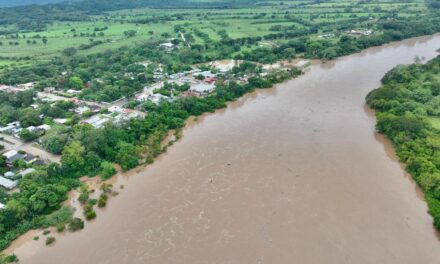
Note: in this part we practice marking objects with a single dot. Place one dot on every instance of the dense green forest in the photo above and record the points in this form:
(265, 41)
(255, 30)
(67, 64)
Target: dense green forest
(408, 113)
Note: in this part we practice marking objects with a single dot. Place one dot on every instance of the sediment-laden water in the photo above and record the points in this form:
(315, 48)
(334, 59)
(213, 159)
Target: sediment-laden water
(293, 174)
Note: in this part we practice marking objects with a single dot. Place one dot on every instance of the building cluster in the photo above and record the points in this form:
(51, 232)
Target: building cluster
(360, 32)
(17, 88)
(9, 179)
(114, 114)
(14, 128)
(200, 82)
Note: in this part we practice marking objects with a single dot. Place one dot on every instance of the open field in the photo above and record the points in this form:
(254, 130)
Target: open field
(159, 25)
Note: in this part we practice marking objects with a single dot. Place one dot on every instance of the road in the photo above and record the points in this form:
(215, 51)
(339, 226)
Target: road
(11, 142)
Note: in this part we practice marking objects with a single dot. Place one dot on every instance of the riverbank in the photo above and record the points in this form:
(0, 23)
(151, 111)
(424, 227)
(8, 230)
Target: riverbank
(224, 186)
(410, 122)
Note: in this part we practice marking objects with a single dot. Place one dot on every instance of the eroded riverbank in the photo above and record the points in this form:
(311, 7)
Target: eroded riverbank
(286, 175)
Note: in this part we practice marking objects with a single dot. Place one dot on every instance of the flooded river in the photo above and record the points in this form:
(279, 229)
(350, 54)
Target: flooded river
(294, 174)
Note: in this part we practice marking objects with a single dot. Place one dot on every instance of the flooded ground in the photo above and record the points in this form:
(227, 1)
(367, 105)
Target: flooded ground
(294, 174)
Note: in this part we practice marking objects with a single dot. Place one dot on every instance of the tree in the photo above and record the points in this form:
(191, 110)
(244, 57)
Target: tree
(44, 40)
(27, 135)
(70, 51)
(54, 142)
(127, 155)
(130, 33)
(107, 170)
(72, 158)
(93, 162)
(29, 117)
(75, 224)
(76, 83)
(47, 198)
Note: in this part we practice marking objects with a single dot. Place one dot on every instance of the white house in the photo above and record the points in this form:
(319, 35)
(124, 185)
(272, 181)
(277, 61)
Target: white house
(13, 127)
(10, 154)
(115, 109)
(27, 171)
(60, 120)
(2, 206)
(9, 174)
(82, 109)
(202, 88)
(8, 184)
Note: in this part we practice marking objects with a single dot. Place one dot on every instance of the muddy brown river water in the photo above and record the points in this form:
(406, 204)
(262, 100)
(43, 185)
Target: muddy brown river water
(293, 174)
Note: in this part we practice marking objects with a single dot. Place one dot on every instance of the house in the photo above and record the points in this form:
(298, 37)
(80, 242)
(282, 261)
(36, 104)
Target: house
(2, 206)
(82, 109)
(210, 80)
(359, 32)
(26, 172)
(115, 109)
(168, 46)
(11, 160)
(96, 121)
(9, 174)
(142, 97)
(8, 184)
(43, 127)
(29, 158)
(207, 74)
(60, 121)
(73, 92)
(202, 88)
(157, 98)
(94, 108)
(224, 65)
(12, 156)
(13, 127)
(330, 35)
(39, 130)
(49, 89)
(26, 86)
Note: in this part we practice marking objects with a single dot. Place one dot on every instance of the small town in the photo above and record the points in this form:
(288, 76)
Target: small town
(23, 148)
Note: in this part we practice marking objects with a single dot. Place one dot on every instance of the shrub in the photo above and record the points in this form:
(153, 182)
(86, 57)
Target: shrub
(107, 170)
(75, 224)
(50, 240)
(61, 227)
(61, 216)
(102, 201)
(90, 215)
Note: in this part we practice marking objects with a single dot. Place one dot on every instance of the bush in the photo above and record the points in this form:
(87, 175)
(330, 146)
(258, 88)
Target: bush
(75, 224)
(102, 201)
(107, 170)
(61, 216)
(50, 240)
(61, 227)
(90, 215)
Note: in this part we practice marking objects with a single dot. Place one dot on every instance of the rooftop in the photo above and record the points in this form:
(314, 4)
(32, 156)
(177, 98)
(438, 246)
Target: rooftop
(8, 184)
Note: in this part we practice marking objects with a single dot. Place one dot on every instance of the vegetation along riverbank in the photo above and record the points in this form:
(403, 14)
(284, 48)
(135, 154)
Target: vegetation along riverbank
(84, 87)
(408, 112)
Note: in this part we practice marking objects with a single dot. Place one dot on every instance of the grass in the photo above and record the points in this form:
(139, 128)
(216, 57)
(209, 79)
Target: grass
(242, 22)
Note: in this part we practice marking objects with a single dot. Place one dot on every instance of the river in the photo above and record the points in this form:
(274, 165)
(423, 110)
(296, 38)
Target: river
(293, 174)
